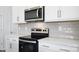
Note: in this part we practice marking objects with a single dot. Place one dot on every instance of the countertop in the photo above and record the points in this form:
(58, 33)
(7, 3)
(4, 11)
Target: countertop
(61, 42)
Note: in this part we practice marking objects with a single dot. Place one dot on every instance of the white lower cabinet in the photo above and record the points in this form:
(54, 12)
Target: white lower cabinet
(12, 45)
(46, 47)
(8, 47)
(58, 46)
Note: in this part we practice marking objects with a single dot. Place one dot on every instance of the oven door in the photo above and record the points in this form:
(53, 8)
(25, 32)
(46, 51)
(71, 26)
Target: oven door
(28, 46)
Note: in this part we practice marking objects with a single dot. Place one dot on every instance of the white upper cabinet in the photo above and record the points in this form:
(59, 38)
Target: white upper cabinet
(70, 12)
(61, 13)
(51, 13)
(14, 14)
(18, 14)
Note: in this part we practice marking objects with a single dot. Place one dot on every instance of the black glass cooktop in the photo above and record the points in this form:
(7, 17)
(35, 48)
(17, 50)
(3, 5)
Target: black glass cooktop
(29, 37)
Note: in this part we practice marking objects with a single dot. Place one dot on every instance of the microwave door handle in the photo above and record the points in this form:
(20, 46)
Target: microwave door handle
(37, 12)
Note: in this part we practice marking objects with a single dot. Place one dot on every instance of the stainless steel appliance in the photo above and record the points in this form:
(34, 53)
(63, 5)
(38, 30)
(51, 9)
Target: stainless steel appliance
(30, 43)
(34, 14)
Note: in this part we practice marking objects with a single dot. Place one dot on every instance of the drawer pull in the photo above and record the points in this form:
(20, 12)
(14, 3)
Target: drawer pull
(45, 46)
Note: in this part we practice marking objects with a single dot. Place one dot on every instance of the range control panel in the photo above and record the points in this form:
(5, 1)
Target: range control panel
(38, 30)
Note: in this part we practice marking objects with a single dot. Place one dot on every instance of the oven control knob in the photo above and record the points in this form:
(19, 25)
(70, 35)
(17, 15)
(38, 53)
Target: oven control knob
(44, 30)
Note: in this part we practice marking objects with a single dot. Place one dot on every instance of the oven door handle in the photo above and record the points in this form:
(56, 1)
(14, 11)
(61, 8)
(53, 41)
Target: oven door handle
(27, 41)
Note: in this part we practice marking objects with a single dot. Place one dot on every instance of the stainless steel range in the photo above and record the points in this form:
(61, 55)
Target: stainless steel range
(30, 43)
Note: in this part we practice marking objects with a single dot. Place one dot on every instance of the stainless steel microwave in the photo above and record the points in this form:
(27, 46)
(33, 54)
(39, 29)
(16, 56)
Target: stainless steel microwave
(34, 14)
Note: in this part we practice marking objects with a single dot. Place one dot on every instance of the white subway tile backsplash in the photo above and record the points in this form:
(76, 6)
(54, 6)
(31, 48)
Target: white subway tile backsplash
(64, 30)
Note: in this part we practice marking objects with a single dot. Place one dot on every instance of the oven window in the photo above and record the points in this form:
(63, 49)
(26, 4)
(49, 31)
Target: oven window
(28, 47)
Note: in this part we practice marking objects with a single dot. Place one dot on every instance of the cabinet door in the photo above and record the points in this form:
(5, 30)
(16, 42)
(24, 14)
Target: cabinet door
(44, 48)
(12, 45)
(1, 34)
(18, 14)
(70, 13)
(8, 45)
(21, 13)
(14, 14)
(15, 45)
(51, 13)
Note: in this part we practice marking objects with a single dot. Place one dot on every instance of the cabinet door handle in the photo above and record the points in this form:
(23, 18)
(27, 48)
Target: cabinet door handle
(17, 18)
(10, 45)
(58, 13)
(45, 46)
